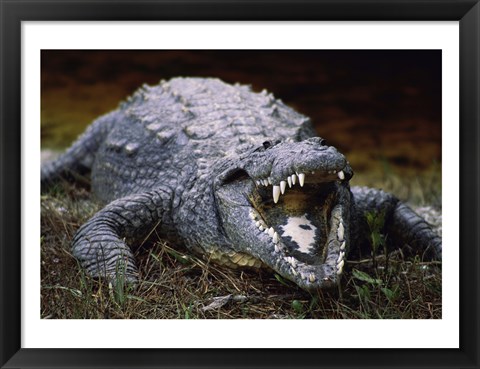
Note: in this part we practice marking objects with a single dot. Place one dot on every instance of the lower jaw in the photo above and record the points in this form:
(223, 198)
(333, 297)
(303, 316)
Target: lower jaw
(323, 268)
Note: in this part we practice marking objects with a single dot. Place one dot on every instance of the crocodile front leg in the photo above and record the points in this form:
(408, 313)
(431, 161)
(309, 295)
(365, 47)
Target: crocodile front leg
(403, 227)
(100, 244)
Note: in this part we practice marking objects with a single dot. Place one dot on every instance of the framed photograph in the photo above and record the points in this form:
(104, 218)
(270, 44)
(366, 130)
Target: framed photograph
(310, 187)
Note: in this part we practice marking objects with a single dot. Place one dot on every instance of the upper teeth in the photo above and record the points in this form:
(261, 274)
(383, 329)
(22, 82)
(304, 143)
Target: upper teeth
(276, 193)
(282, 186)
(291, 180)
(301, 179)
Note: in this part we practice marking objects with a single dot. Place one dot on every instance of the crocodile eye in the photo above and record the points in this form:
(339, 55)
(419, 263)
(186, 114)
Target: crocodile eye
(267, 144)
(318, 140)
(323, 142)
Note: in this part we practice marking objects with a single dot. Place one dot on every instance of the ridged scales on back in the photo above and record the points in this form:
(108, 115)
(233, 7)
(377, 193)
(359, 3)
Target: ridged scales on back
(194, 158)
(179, 129)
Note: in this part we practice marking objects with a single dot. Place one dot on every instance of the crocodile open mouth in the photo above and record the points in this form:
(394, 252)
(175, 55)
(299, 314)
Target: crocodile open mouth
(288, 207)
(303, 216)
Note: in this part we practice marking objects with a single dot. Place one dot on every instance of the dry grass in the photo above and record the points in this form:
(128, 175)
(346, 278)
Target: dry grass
(177, 285)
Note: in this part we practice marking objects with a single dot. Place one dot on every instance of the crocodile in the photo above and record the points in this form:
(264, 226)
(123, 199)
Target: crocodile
(235, 175)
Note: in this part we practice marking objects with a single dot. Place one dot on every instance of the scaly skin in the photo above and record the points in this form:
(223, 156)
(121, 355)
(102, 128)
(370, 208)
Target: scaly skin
(236, 176)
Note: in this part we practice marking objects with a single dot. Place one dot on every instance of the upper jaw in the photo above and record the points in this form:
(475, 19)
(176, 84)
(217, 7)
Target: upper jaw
(295, 160)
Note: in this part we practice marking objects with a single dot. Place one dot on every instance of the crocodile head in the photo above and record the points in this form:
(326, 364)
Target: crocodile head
(287, 204)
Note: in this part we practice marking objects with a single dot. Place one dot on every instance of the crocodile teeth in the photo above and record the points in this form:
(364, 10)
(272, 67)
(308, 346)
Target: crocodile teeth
(341, 175)
(265, 182)
(276, 238)
(301, 179)
(277, 249)
(271, 231)
(340, 266)
(342, 246)
(261, 228)
(294, 179)
(340, 257)
(258, 224)
(269, 180)
(289, 179)
(276, 193)
(311, 277)
(283, 184)
(291, 261)
(252, 216)
(340, 232)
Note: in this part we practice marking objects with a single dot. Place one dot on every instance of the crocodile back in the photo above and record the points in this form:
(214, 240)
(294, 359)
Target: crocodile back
(173, 133)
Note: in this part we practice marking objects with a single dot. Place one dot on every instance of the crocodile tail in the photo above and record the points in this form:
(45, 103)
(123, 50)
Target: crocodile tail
(76, 163)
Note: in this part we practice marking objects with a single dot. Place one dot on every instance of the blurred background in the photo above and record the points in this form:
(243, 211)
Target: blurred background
(381, 108)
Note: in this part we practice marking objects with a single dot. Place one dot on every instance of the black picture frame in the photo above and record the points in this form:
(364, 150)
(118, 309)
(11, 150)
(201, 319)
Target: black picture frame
(12, 355)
